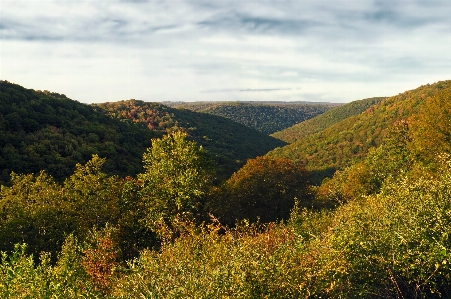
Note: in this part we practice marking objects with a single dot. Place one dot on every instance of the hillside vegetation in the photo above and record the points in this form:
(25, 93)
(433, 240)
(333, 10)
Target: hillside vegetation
(325, 120)
(378, 228)
(229, 143)
(349, 140)
(266, 117)
(42, 130)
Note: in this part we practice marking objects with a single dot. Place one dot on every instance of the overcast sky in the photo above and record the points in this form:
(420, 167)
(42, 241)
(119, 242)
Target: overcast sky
(203, 50)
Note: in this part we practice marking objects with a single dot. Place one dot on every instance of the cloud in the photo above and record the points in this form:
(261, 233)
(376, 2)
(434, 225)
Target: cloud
(256, 24)
(198, 49)
(263, 89)
(112, 21)
(118, 21)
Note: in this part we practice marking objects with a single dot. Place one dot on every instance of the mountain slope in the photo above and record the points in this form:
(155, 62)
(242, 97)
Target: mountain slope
(348, 141)
(266, 117)
(41, 130)
(229, 143)
(325, 120)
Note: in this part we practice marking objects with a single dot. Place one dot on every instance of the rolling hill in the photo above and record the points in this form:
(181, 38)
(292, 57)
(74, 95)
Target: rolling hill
(42, 130)
(266, 117)
(324, 120)
(347, 141)
(229, 143)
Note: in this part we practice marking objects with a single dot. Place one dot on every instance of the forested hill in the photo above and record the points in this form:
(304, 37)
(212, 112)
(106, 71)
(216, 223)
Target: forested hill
(42, 130)
(379, 228)
(348, 141)
(230, 143)
(266, 117)
(325, 120)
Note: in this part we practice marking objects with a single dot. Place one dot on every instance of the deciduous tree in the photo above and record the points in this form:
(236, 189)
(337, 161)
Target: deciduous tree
(265, 188)
(177, 177)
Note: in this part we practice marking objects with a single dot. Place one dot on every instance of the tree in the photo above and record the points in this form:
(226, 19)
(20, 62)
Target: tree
(265, 188)
(177, 177)
(389, 160)
(33, 211)
(431, 133)
(93, 195)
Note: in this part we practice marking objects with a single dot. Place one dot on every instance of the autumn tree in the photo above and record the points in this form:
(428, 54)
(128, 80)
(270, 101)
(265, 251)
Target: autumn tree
(93, 195)
(32, 210)
(431, 132)
(100, 258)
(177, 177)
(265, 188)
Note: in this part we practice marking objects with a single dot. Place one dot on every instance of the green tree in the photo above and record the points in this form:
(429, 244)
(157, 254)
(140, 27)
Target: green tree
(93, 195)
(265, 188)
(33, 210)
(177, 177)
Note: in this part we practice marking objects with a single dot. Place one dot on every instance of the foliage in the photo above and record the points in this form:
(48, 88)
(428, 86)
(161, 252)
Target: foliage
(264, 189)
(100, 258)
(392, 245)
(430, 132)
(325, 120)
(178, 176)
(40, 212)
(48, 131)
(21, 277)
(248, 262)
(94, 195)
(33, 210)
(228, 143)
(41, 130)
(395, 244)
(388, 238)
(266, 117)
(390, 160)
(348, 141)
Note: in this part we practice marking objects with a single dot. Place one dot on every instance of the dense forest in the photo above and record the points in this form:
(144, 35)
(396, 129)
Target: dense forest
(42, 130)
(325, 120)
(229, 143)
(266, 117)
(342, 143)
(379, 227)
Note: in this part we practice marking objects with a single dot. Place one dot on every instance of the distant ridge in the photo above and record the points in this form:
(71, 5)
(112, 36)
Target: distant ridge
(266, 117)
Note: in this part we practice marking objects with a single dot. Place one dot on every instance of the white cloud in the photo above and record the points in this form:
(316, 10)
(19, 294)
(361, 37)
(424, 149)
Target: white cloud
(95, 51)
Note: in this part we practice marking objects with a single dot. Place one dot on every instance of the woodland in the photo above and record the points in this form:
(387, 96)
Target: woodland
(141, 200)
(265, 117)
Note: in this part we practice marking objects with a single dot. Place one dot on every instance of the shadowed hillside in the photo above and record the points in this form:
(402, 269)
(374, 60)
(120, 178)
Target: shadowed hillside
(229, 143)
(266, 117)
(42, 130)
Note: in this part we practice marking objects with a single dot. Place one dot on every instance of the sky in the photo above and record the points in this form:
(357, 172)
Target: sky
(217, 50)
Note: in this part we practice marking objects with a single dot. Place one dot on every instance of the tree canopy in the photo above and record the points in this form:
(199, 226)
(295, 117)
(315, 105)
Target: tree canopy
(265, 189)
(177, 177)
